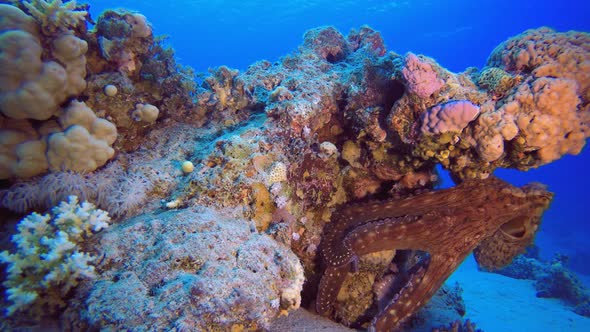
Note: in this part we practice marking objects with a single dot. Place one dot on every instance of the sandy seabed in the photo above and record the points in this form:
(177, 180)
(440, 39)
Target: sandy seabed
(498, 303)
(495, 303)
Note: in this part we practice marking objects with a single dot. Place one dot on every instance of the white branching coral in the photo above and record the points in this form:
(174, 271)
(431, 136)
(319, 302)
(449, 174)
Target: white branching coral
(47, 263)
(55, 17)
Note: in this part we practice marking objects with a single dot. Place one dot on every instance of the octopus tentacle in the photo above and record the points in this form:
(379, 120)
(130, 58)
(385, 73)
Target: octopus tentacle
(398, 308)
(448, 224)
(330, 285)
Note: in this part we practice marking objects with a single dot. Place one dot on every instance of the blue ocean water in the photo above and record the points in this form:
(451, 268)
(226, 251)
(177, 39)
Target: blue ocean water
(457, 33)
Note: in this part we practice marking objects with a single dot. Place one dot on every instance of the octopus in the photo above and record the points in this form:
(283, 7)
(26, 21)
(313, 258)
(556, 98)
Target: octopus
(431, 233)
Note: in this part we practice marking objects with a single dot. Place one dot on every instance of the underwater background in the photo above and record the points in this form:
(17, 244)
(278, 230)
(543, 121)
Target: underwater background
(159, 197)
(456, 33)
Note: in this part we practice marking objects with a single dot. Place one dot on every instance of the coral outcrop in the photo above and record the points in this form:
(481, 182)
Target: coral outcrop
(420, 78)
(194, 270)
(35, 85)
(50, 58)
(546, 113)
(36, 82)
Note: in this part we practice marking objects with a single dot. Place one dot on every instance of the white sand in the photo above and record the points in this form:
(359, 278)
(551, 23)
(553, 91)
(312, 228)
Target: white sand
(498, 303)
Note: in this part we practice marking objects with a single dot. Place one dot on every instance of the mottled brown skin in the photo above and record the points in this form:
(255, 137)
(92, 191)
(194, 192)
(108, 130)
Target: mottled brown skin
(448, 224)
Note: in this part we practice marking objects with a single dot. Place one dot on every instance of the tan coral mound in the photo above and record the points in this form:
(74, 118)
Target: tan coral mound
(549, 110)
(545, 52)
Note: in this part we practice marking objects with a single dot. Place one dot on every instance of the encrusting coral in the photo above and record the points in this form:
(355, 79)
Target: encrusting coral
(207, 270)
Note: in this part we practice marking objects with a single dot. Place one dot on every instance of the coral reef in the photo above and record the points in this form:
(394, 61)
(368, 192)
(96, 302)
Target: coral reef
(546, 113)
(533, 112)
(56, 17)
(125, 54)
(282, 143)
(37, 81)
(49, 54)
(41, 73)
(420, 78)
(122, 36)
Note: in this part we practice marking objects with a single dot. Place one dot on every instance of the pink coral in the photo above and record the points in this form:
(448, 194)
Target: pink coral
(451, 116)
(367, 38)
(420, 77)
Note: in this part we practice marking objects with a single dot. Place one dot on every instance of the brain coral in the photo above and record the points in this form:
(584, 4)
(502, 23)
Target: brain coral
(495, 80)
